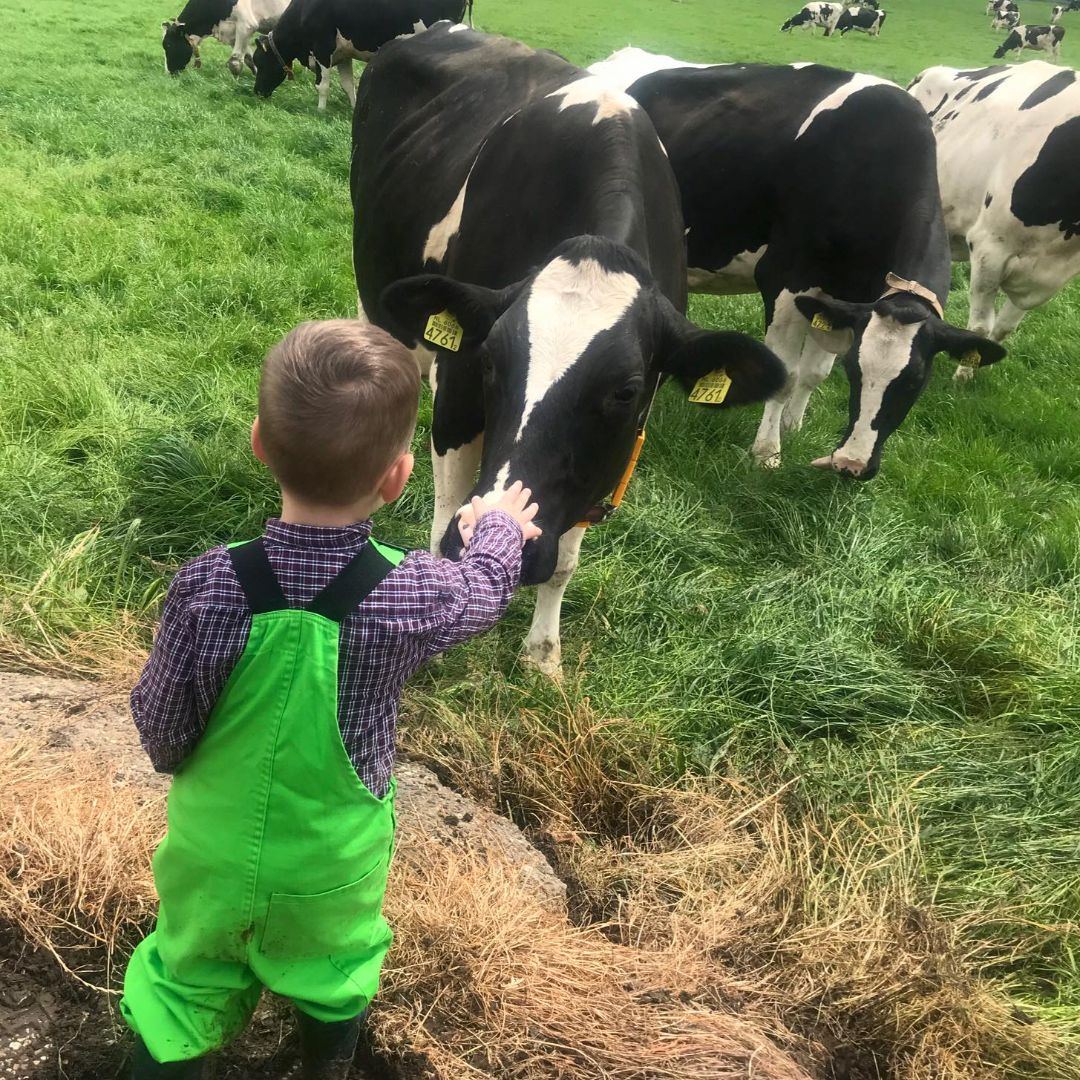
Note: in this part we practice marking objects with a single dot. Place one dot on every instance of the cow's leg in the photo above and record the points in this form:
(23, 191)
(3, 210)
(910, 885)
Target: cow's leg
(543, 647)
(786, 332)
(196, 54)
(454, 472)
(1007, 320)
(345, 74)
(322, 78)
(813, 369)
(244, 33)
(987, 268)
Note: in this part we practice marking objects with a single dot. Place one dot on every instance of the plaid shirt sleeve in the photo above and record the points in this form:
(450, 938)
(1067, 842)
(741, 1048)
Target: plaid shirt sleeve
(472, 594)
(163, 702)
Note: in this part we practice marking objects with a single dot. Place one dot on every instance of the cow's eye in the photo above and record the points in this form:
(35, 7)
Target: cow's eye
(624, 395)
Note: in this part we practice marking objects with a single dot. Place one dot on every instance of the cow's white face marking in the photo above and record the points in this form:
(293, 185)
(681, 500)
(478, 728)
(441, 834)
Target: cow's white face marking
(569, 305)
(839, 96)
(595, 91)
(884, 352)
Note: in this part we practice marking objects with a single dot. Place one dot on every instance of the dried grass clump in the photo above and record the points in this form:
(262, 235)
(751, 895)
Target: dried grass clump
(487, 982)
(75, 854)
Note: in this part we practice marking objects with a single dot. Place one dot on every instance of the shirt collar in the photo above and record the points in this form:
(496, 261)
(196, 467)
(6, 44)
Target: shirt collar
(326, 537)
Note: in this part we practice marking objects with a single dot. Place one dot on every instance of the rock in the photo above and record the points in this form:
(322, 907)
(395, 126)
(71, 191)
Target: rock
(68, 715)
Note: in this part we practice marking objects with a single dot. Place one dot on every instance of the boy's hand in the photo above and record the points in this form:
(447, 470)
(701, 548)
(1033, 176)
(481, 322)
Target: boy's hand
(513, 501)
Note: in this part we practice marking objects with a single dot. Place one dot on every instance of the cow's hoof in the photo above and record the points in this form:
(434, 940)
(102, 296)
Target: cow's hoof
(963, 373)
(197, 64)
(236, 66)
(767, 460)
(545, 657)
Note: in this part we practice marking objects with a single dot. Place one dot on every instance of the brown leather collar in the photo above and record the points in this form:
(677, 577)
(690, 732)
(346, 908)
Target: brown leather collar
(898, 284)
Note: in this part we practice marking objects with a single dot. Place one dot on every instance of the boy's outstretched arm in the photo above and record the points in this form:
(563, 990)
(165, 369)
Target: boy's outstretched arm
(474, 593)
(163, 701)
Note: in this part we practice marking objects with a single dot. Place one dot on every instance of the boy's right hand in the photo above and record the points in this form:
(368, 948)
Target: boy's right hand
(513, 501)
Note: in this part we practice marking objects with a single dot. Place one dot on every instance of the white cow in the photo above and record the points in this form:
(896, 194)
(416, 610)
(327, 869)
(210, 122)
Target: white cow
(1008, 144)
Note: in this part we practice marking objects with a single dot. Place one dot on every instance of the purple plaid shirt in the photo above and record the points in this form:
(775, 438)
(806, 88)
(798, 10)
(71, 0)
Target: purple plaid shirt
(421, 608)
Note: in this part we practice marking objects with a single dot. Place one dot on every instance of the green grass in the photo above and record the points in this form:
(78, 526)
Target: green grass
(915, 636)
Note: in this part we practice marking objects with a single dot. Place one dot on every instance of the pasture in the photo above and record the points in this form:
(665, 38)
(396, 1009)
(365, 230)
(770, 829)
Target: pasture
(899, 657)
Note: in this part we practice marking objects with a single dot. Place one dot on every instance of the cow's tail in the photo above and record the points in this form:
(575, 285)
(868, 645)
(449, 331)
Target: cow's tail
(468, 12)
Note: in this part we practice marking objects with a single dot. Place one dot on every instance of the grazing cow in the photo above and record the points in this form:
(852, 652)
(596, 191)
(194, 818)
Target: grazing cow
(1006, 20)
(333, 33)
(996, 7)
(815, 14)
(1008, 142)
(1041, 38)
(543, 208)
(866, 19)
(232, 22)
(769, 209)
(1055, 14)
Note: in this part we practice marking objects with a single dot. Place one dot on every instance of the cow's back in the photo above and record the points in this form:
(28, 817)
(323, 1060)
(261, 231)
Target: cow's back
(762, 151)
(417, 129)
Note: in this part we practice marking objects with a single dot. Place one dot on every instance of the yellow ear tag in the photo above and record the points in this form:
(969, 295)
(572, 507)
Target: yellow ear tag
(711, 389)
(971, 359)
(820, 322)
(444, 331)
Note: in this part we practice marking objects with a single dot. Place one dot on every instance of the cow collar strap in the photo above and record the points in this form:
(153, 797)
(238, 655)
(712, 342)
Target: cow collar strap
(599, 513)
(898, 284)
(274, 49)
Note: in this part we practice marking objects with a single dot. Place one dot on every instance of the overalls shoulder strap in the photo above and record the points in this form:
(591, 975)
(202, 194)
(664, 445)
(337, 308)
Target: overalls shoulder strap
(356, 581)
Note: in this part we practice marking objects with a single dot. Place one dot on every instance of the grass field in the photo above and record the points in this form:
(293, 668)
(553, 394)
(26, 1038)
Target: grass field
(907, 643)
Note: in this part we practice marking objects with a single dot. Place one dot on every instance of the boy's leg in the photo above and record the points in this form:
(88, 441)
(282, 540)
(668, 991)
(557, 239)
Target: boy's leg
(145, 1067)
(184, 1015)
(327, 1049)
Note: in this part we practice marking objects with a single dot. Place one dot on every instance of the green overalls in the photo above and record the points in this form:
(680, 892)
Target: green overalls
(275, 863)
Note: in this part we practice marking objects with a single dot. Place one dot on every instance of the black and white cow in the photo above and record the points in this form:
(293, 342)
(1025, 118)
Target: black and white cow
(1040, 38)
(333, 33)
(997, 7)
(769, 209)
(1008, 142)
(543, 209)
(232, 22)
(1006, 20)
(866, 19)
(1056, 13)
(815, 14)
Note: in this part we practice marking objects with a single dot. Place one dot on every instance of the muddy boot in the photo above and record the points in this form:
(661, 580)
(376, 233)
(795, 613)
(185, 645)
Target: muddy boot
(327, 1050)
(144, 1067)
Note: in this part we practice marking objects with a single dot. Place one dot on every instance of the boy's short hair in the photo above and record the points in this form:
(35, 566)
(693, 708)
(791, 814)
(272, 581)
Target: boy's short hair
(337, 405)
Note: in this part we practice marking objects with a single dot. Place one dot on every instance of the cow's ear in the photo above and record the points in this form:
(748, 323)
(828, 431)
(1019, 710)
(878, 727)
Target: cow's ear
(410, 303)
(833, 322)
(755, 371)
(965, 346)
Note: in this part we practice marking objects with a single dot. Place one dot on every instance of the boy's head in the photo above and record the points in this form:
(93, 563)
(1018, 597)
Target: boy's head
(337, 409)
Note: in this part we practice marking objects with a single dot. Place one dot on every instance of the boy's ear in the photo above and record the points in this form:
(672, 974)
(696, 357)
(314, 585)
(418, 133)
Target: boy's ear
(689, 353)
(397, 476)
(833, 322)
(410, 302)
(256, 442)
(965, 346)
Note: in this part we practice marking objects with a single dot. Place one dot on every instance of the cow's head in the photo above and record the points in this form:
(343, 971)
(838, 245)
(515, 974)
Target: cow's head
(1013, 41)
(177, 46)
(270, 68)
(888, 349)
(570, 358)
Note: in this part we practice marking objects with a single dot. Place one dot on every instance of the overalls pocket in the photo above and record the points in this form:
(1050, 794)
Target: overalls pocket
(346, 921)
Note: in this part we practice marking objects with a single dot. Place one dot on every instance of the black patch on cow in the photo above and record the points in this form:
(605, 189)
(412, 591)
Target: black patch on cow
(982, 73)
(1054, 85)
(964, 91)
(199, 17)
(1048, 192)
(938, 107)
(988, 89)
(988, 200)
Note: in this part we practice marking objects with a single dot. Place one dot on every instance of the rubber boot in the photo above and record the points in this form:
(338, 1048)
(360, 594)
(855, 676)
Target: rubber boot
(144, 1067)
(327, 1050)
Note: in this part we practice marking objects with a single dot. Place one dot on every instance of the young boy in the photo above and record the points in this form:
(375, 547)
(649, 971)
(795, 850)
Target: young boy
(272, 692)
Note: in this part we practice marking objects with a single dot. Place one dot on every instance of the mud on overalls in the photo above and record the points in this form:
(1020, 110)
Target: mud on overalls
(274, 867)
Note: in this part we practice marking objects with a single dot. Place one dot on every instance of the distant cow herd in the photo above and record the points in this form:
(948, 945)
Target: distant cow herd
(556, 218)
